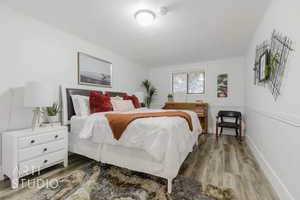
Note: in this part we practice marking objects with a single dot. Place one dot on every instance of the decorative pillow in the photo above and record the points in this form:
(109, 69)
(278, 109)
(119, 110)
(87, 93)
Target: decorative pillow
(81, 105)
(134, 99)
(116, 98)
(100, 103)
(122, 105)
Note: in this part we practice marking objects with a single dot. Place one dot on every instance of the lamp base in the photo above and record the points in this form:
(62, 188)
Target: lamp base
(36, 118)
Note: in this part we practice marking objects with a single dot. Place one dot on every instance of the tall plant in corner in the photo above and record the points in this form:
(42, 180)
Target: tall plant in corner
(150, 92)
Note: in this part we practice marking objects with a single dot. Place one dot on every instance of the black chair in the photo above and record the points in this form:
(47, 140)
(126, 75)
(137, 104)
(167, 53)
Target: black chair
(237, 125)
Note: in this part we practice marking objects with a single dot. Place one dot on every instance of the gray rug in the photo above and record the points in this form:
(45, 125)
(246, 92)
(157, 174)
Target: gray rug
(97, 181)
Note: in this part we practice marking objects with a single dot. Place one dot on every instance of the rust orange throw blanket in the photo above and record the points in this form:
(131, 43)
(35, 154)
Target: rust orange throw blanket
(119, 122)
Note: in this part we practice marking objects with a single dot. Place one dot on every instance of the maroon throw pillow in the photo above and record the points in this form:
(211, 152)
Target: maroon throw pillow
(100, 103)
(134, 99)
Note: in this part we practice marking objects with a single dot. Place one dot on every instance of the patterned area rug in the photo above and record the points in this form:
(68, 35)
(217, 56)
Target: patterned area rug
(98, 181)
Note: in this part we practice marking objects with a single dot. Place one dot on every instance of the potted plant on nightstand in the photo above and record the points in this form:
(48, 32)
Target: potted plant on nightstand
(52, 113)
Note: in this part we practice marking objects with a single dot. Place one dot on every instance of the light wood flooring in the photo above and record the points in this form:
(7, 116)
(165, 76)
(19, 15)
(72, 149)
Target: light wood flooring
(226, 164)
(229, 164)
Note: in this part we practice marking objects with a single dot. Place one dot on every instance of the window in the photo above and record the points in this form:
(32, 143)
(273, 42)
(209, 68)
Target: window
(179, 82)
(188, 82)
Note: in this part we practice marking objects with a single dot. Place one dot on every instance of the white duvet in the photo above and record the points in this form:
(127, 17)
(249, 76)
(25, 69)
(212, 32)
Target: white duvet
(158, 136)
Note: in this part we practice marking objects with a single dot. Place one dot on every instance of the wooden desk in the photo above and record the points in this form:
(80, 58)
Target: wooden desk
(200, 108)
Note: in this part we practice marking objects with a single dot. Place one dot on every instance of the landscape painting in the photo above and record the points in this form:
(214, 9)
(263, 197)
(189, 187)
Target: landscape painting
(222, 86)
(94, 71)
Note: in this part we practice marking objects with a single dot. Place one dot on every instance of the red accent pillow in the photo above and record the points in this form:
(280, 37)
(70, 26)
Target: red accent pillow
(100, 103)
(134, 99)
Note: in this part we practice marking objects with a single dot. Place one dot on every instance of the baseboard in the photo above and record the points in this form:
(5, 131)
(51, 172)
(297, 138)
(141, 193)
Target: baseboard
(275, 181)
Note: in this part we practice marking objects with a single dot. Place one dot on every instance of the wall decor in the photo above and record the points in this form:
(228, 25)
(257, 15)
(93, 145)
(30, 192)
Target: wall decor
(270, 62)
(94, 71)
(263, 66)
(261, 54)
(222, 86)
(280, 48)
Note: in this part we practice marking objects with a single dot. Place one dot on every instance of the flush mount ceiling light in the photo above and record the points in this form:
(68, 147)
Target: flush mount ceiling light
(145, 17)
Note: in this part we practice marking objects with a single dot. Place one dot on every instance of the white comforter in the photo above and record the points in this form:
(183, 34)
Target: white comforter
(158, 136)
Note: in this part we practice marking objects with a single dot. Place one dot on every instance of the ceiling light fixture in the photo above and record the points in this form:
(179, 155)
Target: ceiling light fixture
(145, 17)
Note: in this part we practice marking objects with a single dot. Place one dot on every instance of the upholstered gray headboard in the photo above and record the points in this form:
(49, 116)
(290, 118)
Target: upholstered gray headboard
(114, 94)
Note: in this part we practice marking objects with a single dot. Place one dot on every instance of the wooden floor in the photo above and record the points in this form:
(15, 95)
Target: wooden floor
(226, 164)
(229, 164)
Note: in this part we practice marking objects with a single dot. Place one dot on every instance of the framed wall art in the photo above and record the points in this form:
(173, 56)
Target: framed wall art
(222, 86)
(94, 71)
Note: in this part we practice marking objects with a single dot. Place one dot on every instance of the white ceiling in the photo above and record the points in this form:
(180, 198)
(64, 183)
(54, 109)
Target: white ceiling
(192, 31)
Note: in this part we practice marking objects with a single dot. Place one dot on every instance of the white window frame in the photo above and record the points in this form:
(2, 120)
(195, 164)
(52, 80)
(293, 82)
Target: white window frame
(187, 79)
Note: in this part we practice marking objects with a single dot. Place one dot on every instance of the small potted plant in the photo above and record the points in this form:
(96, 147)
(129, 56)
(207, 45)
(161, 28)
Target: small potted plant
(52, 113)
(170, 98)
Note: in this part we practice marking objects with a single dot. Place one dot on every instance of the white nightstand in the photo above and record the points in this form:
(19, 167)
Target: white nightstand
(27, 151)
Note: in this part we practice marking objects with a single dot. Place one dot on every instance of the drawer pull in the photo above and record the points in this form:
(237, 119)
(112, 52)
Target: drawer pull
(56, 136)
(32, 141)
(45, 161)
(45, 149)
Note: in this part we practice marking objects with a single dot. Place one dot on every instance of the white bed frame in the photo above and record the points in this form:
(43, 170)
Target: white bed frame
(133, 159)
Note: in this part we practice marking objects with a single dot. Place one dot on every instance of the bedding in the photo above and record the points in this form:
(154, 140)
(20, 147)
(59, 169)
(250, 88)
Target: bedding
(122, 105)
(81, 105)
(100, 103)
(158, 136)
(106, 153)
(134, 100)
(119, 122)
(117, 98)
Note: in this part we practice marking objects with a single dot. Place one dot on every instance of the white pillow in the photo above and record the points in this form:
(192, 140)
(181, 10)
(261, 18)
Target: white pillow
(122, 105)
(116, 98)
(81, 105)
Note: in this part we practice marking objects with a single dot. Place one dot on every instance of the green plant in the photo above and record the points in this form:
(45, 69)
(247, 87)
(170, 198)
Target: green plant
(53, 110)
(270, 67)
(147, 85)
(150, 90)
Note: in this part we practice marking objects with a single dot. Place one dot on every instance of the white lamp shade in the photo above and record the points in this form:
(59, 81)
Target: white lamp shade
(37, 94)
(140, 96)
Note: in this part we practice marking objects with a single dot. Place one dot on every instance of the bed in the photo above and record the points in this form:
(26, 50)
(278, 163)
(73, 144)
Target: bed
(147, 145)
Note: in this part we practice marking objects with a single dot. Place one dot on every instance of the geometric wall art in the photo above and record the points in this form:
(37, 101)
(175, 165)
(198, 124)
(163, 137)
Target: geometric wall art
(280, 48)
(270, 62)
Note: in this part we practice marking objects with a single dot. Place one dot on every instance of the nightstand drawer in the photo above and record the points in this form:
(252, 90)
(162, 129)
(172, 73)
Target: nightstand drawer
(41, 162)
(39, 139)
(27, 153)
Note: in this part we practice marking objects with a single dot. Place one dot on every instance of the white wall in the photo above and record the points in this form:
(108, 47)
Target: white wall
(162, 79)
(273, 126)
(31, 50)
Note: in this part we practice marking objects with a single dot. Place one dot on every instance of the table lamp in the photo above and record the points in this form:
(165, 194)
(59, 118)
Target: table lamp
(37, 95)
